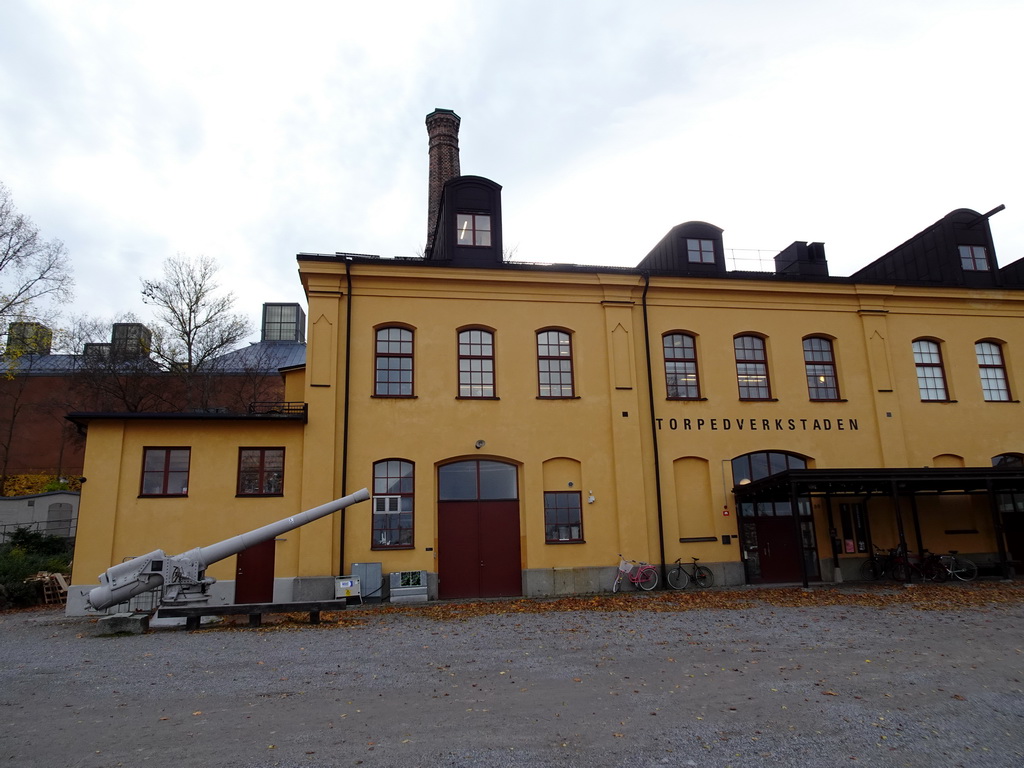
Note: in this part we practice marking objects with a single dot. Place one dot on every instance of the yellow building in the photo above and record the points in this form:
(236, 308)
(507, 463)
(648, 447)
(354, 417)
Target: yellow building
(519, 426)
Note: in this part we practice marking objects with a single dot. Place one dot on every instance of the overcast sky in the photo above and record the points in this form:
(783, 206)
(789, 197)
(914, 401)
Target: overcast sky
(250, 132)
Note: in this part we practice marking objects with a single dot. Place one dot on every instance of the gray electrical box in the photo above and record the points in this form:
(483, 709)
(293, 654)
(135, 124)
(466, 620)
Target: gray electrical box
(371, 580)
(408, 586)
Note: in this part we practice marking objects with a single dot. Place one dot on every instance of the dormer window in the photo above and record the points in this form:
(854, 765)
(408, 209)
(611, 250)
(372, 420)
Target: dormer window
(974, 258)
(473, 229)
(700, 251)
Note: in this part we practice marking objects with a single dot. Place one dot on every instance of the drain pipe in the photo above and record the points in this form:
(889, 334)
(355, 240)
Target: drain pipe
(654, 432)
(345, 404)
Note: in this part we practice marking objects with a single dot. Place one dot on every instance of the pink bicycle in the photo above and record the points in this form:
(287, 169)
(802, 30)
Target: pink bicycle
(644, 575)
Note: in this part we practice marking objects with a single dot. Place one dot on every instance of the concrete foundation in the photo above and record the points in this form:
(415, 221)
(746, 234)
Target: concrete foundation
(124, 623)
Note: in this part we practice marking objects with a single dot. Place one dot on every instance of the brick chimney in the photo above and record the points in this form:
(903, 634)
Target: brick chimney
(443, 130)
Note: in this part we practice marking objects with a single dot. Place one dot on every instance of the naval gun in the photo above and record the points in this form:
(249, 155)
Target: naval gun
(183, 576)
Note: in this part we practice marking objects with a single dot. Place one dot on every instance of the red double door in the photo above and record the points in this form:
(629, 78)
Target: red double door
(479, 549)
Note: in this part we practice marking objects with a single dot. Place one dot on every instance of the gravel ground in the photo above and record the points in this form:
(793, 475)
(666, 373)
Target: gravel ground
(765, 685)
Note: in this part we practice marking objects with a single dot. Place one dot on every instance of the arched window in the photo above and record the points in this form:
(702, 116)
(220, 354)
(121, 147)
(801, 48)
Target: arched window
(477, 480)
(554, 364)
(1008, 460)
(992, 369)
(752, 368)
(393, 364)
(393, 495)
(681, 381)
(755, 466)
(820, 368)
(476, 363)
(931, 377)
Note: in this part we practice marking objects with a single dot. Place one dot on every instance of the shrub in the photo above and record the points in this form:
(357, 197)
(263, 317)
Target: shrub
(25, 554)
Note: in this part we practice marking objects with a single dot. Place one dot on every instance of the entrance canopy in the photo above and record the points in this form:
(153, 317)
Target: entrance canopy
(793, 484)
(887, 482)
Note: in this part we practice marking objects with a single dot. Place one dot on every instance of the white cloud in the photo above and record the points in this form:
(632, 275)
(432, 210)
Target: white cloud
(253, 131)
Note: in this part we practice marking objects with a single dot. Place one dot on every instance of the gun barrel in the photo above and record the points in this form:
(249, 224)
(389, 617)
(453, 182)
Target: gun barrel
(234, 545)
(147, 572)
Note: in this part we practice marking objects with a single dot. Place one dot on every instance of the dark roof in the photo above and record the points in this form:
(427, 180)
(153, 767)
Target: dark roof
(43, 365)
(874, 481)
(263, 357)
(82, 418)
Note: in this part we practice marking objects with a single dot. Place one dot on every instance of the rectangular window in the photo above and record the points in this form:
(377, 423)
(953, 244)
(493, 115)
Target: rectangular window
(393, 366)
(473, 229)
(260, 471)
(476, 363)
(855, 537)
(931, 378)
(993, 371)
(681, 381)
(820, 369)
(392, 504)
(974, 258)
(700, 251)
(554, 364)
(752, 368)
(281, 322)
(563, 517)
(165, 471)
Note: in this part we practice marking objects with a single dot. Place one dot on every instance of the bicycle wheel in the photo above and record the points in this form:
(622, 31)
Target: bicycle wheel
(617, 582)
(678, 578)
(703, 577)
(900, 572)
(870, 569)
(963, 569)
(647, 579)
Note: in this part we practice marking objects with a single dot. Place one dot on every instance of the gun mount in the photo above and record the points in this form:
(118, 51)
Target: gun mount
(184, 576)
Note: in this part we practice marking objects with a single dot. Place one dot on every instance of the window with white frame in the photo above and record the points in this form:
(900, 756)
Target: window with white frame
(820, 368)
(392, 504)
(681, 381)
(554, 364)
(931, 376)
(752, 368)
(992, 370)
(393, 363)
(476, 363)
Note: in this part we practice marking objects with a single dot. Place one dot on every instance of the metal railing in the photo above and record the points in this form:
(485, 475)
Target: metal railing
(279, 408)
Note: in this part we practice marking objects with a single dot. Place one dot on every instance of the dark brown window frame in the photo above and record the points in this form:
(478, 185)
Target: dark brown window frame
(165, 472)
(557, 523)
(761, 363)
(470, 358)
(680, 361)
(261, 472)
(475, 231)
(379, 491)
(572, 366)
(378, 356)
(831, 373)
(974, 258)
(701, 251)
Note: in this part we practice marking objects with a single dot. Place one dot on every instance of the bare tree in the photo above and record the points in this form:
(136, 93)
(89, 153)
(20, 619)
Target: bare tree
(196, 323)
(32, 270)
(113, 374)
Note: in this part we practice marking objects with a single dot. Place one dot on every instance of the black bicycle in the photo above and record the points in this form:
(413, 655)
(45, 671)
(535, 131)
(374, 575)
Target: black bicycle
(700, 575)
(878, 564)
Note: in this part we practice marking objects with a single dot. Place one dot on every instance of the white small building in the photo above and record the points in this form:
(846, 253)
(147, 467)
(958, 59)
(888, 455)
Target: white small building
(54, 513)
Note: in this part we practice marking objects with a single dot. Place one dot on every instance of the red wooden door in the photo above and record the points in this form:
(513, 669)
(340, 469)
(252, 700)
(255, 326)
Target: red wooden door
(479, 549)
(778, 550)
(254, 573)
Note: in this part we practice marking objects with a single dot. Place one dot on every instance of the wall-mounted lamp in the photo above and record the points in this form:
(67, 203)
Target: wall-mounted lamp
(590, 497)
(480, 444)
